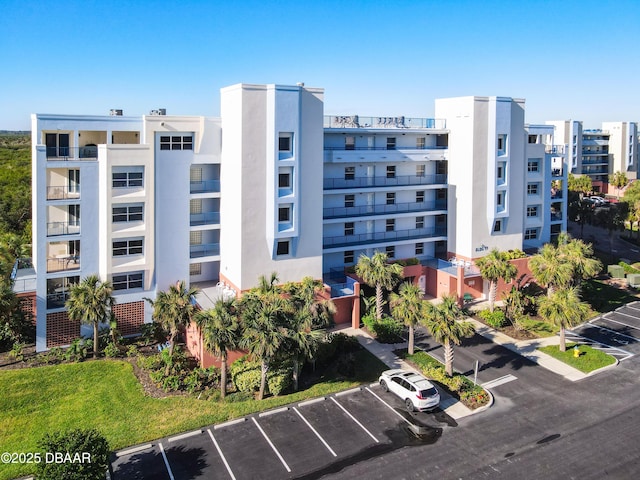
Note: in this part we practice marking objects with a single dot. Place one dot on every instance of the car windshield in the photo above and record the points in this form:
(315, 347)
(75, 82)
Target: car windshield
(429, 392)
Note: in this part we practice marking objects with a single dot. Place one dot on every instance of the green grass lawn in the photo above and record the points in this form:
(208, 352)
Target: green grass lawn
(107, 396)
(589, 360)
(604, 298)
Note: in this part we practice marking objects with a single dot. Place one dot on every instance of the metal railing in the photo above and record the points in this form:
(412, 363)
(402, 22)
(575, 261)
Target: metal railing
(62, 228)
(72, 153)
(63, 263)
(375, 237)
(397, 181)
(208, 218)
(357, 121)
(385, 148)
(204, 250)
(555, 149)
(62, 192)
(57, 300)
(205, 186)
(364, 210)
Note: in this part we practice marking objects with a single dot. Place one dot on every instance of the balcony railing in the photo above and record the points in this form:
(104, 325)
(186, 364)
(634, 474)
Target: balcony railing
(365, 210)
(204, 250)
(556, 216)
(57, 300)
(555, 149)
(61, 263)
(386, 148)
(205, 186)
(62, 192)
(397, 181)
(209, 218)
(72, 153)
(375, 237)
(357, 121)
(62, 228)
(556, 172)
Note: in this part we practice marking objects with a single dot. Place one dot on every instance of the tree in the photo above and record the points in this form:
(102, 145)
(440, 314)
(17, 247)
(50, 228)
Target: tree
(90, 302)
(580, 256)
(301, 341)
(220, 328)
(376, 272)
(579, 183)
(174, 310)
(408, 306)
(613, 219)
(550, 269)
(306, 296)
(618, 180)
(443, 325)
(15, 326)
(494, 267)
(564, 309)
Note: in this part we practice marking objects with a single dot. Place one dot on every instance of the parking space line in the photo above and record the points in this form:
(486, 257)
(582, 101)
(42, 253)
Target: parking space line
(224, 460)
(389, 406)
(134, 450)
(314, 431)
(355, 419)
(184, 435)
(271, 444)
(311, 402)
(628, 305)
(604, 317)
(166, 461)
(608, 330)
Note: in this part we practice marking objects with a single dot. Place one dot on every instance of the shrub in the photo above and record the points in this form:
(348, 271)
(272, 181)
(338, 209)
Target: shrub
(78, 350)
(75, 442)
(628, 268)
(132, 351)
(513, 254)
(386, 330)
(17, 351)
(111, 350)
(245, 375)
(200, 379)
(495, 319)
(54, 355)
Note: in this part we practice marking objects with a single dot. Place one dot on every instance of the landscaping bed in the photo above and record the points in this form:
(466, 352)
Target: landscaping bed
(590, 359)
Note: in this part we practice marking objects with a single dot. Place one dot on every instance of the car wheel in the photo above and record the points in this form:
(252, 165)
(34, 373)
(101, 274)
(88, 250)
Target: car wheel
(409, 405)
(384, 385)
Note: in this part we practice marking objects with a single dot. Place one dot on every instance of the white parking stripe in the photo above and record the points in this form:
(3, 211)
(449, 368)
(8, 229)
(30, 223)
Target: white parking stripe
(609, 330)
(166, 462)
(224, 460)
(272, 445)
(621, 323)
(355, 420)
(314, 431)
(628, 305)
(389, 406)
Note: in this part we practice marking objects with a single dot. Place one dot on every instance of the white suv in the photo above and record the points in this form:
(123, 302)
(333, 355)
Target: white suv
(417, 392)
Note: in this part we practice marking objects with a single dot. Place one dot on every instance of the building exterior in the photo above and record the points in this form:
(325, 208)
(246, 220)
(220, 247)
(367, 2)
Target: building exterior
(275, 185)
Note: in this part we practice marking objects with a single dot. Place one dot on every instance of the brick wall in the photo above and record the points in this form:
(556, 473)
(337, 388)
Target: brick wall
(130, 317)
(61, 330)
(28, 305)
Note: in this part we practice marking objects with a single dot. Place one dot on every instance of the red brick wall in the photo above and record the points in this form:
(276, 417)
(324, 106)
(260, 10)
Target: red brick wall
(28, 305)
(130, 317)
(61, 330)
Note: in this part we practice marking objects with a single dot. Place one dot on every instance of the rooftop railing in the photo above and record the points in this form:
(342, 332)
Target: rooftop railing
(357, 121)
(365, 210)
(376, 237)
(397, 181)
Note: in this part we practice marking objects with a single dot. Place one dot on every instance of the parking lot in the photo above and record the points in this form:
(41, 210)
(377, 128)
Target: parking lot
(617, 332)
(305, 440)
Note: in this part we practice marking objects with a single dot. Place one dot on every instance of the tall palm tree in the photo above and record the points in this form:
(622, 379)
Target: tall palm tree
(550, 269)
(264, 319)
(305, 296)
(376, 272)
(564, 309)
(443, 324)
(90, 302)
(174, 310)
(220, 328)
(408, 305)
(301, 341)
(494, 267)
(580, 256)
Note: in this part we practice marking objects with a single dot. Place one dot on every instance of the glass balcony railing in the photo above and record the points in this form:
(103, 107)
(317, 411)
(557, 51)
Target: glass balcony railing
(89, 152)
(62, 228)
(57, 300)
(357, 121)
(364, 210)
(397, 181)
(377, 237)
(204, 250)
(62, 192)
(209, 218)
(205, 186)
(61, 263)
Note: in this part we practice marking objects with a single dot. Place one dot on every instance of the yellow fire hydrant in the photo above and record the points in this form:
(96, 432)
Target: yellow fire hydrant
(576, 351)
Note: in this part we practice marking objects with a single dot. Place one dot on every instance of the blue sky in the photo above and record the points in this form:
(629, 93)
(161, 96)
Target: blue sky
(568, 59)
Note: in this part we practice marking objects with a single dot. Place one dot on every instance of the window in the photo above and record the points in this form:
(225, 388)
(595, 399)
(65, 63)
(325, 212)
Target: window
(284, 142)
(284, 180)
(126, 179)
(282, 247)
(391, 171)
(391, 251)
(497, 226)
(349, 228)
(349, 173)
(500, 199)
(195, 269)
(348, 256)
(419, 248)
(533, 139)
(391, 143)
(501, 172)
(420, 169)
(420, 143)
(533, 165)
(391, 198)
(391, 224)
(127, 213)
(532, 189)
(419, 222)
(532, 211)
(349, 143)
(127, 281)
(284, 214)
(531, 234)
(502, 144)
(127, 247)
(420, 196)
(176, 142)
(349, 201)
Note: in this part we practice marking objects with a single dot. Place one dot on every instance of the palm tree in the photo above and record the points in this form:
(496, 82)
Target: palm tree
(301, 340)
(90, 302)
(269, 285)
(443, 325)
(174, 310)
(264, 317)
(376, 272)
(550, 269)
(494, 267)
(580, 256)
(220, 328)
(564, 309)
(306, 296)
(408, 305)
(618, 180)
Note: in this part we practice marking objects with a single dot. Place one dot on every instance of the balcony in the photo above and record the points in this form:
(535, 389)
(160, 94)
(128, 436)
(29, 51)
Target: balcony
(397, 181)
(62, 228)
(62, 192)
(208, 218)
(205, 186)
(62, 263)
(377, 237)
(88, 152)
(204, 250)
(57, 300)
(556, 172)
(383, 209)
(357, 121)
